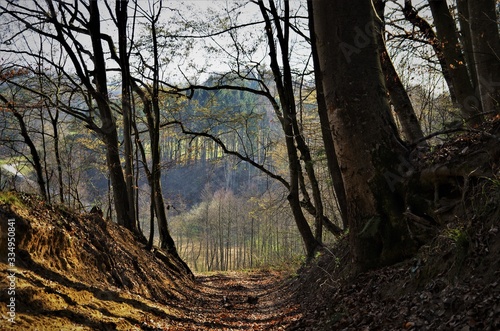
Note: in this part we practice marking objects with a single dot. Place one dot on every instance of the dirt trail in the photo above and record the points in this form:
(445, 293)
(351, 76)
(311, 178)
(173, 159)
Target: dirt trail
(243, 301)
(223, 301)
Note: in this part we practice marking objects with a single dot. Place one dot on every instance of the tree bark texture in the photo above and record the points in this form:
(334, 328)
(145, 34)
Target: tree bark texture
(366, 140)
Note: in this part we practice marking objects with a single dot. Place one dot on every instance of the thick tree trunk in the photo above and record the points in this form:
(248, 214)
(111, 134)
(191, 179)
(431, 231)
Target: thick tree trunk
(367, 144)
(447, 37)
(486, 48)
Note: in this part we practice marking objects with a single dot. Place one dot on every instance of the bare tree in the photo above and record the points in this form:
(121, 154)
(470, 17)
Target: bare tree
(398, 96)
(447, 37)
(284, 107)
(70, 25)
(34, 158)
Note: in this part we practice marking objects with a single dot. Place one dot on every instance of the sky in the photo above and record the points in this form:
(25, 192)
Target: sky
(209, 55)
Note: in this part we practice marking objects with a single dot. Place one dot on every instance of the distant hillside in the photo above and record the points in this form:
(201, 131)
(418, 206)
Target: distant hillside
(187, 182)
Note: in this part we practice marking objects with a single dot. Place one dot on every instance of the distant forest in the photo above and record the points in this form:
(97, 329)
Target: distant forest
(244, 133)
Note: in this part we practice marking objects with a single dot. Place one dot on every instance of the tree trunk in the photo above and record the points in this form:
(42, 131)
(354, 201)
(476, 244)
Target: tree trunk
(152, 208)
(36, 162)
(447, 37)
(331, 156)
(366, 142)
(152, 111)
(428, 33)
(54, 122)
(466, 41)
(166, 240)
(397, 93)
(121, 18)
(486, 48)
(108, 128)
(35, 157)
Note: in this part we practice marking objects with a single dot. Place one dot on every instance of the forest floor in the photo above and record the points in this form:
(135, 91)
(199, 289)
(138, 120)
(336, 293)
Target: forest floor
(220, 301)
(81, 272)
(452, 282)
(258, 300)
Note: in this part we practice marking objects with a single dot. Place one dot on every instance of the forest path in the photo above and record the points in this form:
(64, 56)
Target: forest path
(258, 300)
(80, 272)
